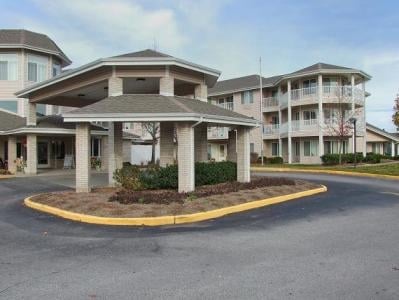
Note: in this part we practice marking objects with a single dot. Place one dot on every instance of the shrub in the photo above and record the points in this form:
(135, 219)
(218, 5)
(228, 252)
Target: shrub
(154, 177)
(254, 157)
(350, 157)
(275, 160)
(330, 159)
(4, 172)
(215, 172)
(128, 177)
(372, 158)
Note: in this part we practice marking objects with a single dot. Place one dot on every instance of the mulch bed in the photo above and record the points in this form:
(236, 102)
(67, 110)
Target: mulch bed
(169, 202)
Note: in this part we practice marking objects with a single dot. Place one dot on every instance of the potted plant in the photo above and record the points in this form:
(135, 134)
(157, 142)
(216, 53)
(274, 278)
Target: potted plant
(96, 163)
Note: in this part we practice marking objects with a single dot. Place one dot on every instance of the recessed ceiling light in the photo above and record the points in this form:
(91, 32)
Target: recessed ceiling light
(140, 79)
(81, 95)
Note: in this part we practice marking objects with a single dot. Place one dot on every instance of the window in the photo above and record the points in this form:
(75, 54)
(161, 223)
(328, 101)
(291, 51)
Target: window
(275, 149)
(56, 69)
(221, 150)
(41, 109)
(251, 147)
(297, 149)
(309, 115)
(10, 105)
(247, 97)
(58, 149)
(332, 147)
(37, 68)
(8, 66)
(95, 147)
(275, 120)
(310, 148)
(309, 86)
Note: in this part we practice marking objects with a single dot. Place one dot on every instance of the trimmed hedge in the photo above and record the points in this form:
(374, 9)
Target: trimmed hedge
(206, 173)
(348, 158)
(271, 160)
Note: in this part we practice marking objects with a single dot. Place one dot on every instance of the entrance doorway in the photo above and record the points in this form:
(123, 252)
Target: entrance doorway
(43, 155)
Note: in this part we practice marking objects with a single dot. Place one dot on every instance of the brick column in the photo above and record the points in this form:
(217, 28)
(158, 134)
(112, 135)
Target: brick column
(320, 113)
(289, 122)
(118, 135)
(364, 118)
(115, 86)
(31, 114)
(232, 146)
(166, 144)
(243, 159)
(31, 154)
(353, 108)
(104, 153)
(12, 153)
(83, 165)
(201, 92)
(167, 86)
(201, 142)
(185, 156)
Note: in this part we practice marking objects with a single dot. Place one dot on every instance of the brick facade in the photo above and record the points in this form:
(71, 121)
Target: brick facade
(31, 154)
(167, 86)
(12, 153)
(243, 162)
(185, 156)
(83, 165)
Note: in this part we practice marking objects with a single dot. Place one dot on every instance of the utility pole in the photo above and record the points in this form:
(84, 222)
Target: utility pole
(261, 107)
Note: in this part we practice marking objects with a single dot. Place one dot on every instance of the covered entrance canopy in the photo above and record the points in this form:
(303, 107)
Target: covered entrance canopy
(184, 118)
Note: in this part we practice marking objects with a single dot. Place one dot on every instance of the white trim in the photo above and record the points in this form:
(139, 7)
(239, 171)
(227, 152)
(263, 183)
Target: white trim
(381, 132)
(24, 130)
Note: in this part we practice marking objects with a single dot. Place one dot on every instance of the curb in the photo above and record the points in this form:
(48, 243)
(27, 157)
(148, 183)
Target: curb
(169, 220)
(6, 176)
(331, 172)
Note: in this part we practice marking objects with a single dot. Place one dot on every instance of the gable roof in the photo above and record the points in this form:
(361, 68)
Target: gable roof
(320, 66)
(137, 107)
(382, 132)
(144, 53)
(241, 84)
(22, 38)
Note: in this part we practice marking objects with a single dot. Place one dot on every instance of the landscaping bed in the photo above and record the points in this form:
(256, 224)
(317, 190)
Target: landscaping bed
(119, 202)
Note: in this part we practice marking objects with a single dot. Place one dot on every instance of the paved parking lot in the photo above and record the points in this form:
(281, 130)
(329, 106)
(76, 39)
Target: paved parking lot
(343, 244)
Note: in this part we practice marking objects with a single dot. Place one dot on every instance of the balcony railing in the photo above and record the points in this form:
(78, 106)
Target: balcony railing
(226, 105)
(271, 129)
(218, 133)
(270, 102)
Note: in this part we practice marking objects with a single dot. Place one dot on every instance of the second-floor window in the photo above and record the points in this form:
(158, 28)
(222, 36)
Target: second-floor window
(8, 66)
(247, 97)
(37, 68)
(309, 115)
(56, 69)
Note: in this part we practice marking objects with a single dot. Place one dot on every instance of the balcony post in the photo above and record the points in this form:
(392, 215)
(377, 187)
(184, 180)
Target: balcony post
(364, 118)
(321, 119)
(280, 142)
(289, 121)
(353, 108)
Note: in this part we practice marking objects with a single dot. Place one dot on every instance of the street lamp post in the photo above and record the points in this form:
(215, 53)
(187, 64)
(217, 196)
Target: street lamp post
(353, 121)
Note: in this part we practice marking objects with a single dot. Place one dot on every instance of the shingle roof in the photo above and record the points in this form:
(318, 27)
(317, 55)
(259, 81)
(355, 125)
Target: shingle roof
(242, 83)
(10, 121)
(56, 121)
(320, 66)
(144, 53)
(378, 130)
(152, 105)
(21, 37)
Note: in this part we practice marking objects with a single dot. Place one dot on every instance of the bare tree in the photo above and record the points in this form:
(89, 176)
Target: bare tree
(339, 124)
(152, 128)
(395, 116)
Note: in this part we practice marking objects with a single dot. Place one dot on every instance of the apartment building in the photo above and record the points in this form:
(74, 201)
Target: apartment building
(304, 113)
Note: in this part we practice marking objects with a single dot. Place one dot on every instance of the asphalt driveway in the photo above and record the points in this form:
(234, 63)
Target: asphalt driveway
(343, 244)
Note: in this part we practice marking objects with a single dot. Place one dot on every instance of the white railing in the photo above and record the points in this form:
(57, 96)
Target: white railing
(302, 125)
(269, 102)
(218, 132)
(304, 93)
(271, 129)
(226, 105)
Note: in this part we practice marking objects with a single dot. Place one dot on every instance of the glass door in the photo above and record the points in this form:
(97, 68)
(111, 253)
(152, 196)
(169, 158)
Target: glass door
(43, 154)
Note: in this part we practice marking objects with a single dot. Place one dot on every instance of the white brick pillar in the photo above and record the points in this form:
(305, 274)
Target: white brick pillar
(115, 86)
(289, 122)
(83, 165)
(201, 142)
(31, 114)
(392, 149)
(243, 155)
(280, 119)
(166, 144)
(167, 86)
(185, 156)
(31, 154)
(353, 109)
(115, 149)
(201, 92)
(364, 118)
(321, 119)
(232, 146)
(12, 153)
(104, 153)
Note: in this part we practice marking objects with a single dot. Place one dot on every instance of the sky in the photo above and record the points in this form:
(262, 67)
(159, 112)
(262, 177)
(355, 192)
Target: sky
(230, 35)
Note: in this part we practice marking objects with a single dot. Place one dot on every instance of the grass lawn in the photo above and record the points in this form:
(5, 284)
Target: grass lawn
(385, 169)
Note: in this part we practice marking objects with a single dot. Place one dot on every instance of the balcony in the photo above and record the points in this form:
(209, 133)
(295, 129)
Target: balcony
(330, 94)
(271, 130)
(226, 105)
(301, 127)
(218, 133)
(270, 104)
